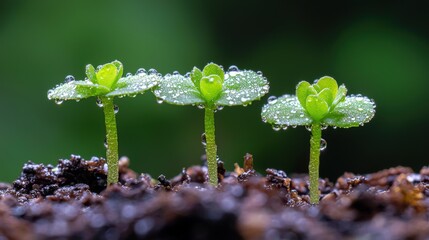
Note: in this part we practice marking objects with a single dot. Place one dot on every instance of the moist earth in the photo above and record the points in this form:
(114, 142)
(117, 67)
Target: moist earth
(71, 201)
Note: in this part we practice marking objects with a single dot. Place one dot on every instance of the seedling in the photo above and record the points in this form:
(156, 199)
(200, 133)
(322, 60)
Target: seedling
(105, 83)
(318, 106)
(212, 89)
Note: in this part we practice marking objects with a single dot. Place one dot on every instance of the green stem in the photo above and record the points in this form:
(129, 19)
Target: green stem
(211, 148)
(313, 168)
(111, 140)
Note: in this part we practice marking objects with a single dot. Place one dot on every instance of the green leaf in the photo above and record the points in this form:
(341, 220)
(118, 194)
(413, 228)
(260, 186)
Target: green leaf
(341, 95)
(196, 76)
(211, 87)
(316, 107)
(242, 87)
(107, 75)
(326, 95)
(76, 90)
(352, 112)
(328, 82)
(120, 68)
(90, 73)
(213, 69)
(285, 111)
(135, 84)
(302, 92)
(179, 90)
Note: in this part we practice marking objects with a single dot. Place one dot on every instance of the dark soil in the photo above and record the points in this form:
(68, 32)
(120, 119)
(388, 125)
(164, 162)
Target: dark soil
(69, 201)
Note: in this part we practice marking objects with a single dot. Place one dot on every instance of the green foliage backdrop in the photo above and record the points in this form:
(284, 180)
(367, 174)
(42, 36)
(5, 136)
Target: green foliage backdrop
(378, 49)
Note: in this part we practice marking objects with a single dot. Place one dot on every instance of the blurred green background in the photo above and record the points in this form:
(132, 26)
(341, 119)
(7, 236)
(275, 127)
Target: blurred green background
(379, 49)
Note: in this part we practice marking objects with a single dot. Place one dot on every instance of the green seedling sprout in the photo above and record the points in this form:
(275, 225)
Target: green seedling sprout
(212, 89)
(318, 106)
(105, 83)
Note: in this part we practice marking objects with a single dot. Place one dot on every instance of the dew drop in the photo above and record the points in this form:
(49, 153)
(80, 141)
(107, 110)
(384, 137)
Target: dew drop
(219, 108)
(59, 101)
(272, 99)
(200, 106)
(264, 120)
(308, 127)
(188, 74)
(323, 127)
(159, 100)
(128, 75)
(323, 144)
(259, 73)
(115, 109)
(152, 71)
(233, 68)
(99, 102)
(141, 71)
(204, 140)
(276, 127)
(284, 127)
(175, 73)
(68, 78)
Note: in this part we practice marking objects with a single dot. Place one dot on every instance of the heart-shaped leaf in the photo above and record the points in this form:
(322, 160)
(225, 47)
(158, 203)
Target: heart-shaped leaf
(354, 111)
(285, 111)
(179, 90)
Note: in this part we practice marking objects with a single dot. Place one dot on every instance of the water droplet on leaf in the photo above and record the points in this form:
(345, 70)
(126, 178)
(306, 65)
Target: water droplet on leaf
(115, 109)
(141, 71)
(152, 71)
(233, 68)
(272, 99)
(69, 78)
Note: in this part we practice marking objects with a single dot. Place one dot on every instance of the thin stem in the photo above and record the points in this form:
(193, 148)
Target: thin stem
(313, 168)
(211, 148)
(111, 140)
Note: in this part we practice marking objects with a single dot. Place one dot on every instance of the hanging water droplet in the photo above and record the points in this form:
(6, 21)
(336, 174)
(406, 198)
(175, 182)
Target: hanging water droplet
(115, 109)
(323, 144)
(272, 99)
(284, 127)
(259, 73)
(204, 140)
(69, 78)
(128, 75)
(233, 68)
(219, 108)
(323, 127)
(308, 127)
(159, 100)
(200, 106)
(59, 101)
(141, 71)
(99, 102)
(276, 127)
(264, 119)
(152, 71)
